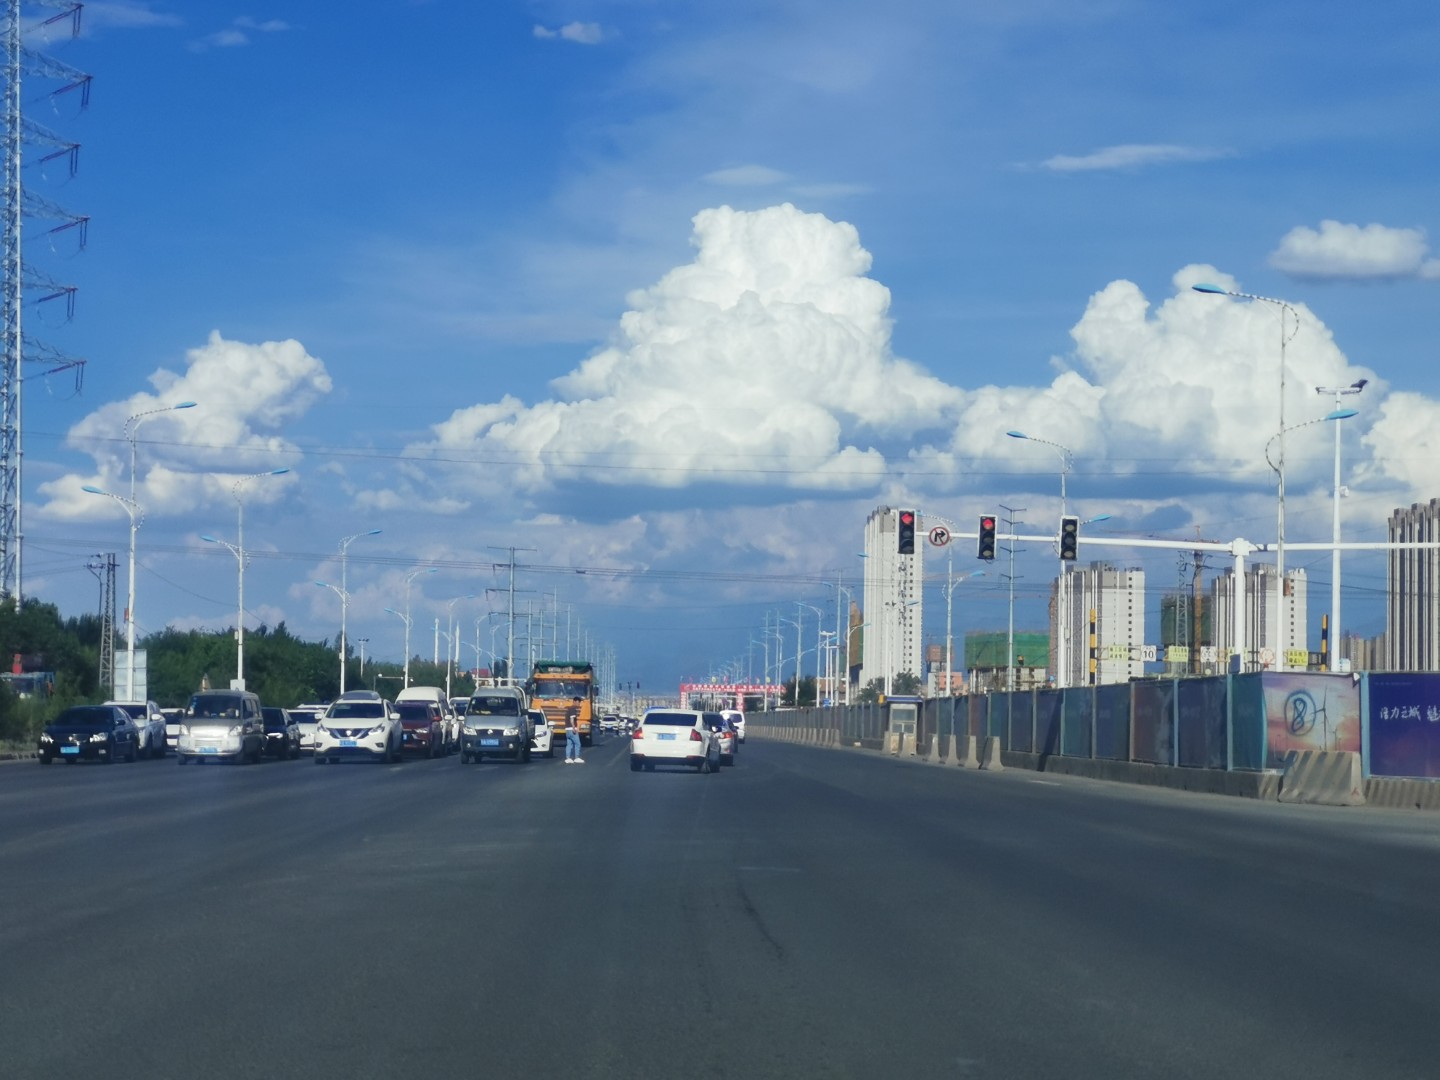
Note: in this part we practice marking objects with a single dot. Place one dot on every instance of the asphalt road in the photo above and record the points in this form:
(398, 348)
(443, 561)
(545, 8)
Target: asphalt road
(808, 913)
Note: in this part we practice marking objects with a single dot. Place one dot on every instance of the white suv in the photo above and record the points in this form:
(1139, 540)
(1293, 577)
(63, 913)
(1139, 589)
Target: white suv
(674, 737)
(359, 723)
(737, 721)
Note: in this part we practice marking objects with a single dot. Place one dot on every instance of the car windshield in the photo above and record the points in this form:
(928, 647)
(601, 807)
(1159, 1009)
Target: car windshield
(215, 708)
(86, 716)
(493, 706)
(412, 710)
(356, 710)
(671, 719)
(136, 712)
(562, 688)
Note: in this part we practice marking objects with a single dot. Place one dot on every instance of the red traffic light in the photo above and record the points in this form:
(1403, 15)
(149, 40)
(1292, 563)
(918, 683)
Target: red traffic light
(907, 518)
(987, 523)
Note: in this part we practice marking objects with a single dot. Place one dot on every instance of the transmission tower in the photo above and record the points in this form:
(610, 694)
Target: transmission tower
(17, 278)
(103, 567)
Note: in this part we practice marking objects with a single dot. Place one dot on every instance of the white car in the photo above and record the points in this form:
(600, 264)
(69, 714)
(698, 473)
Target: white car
(150, 722)
(542, 739)
(359, 724)
(737, 721)
(674, 737)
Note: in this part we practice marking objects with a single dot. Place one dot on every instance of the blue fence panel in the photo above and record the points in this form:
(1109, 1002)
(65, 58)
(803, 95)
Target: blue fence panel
(1048, 704)
(999, 719)
(1153, 705)
(1077, 721)
(1022, 721)
(1112, 722)
(1404, 710)
(1202, 723)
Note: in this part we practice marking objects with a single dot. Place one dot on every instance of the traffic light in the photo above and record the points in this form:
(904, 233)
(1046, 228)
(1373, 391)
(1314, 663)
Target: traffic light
(1069, 538)
(907, 532)
(985, 548)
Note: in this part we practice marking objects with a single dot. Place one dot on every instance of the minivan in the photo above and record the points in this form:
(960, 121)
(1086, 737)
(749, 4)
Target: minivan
(225, 725)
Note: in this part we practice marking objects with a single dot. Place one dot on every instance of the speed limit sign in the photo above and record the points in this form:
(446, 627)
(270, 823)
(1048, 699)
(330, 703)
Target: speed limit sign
(939, 536)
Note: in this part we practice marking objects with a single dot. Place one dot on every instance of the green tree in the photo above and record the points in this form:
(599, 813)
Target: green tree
(905, 683)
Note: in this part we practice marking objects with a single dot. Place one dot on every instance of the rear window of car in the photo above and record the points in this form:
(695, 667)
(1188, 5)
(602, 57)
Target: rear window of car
(356, 710)
(670, 719)
(493, 706)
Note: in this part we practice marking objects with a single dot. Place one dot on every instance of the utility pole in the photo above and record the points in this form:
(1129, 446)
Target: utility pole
(1010, 512)
(17, 275)
(510, 636)
(105, 572)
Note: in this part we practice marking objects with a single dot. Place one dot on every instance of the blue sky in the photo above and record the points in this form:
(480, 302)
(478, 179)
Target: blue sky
(675, 293)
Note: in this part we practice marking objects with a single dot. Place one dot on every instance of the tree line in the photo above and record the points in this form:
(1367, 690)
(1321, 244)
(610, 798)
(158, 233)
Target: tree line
(281, 668)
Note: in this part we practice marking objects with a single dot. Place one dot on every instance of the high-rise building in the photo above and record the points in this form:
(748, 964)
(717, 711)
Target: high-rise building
(1412, 610)
(1262, 614)
(894, 600)
(1117, 598)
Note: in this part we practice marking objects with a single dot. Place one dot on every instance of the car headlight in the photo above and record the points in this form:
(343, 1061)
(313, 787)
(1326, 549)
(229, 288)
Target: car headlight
(99, 736)
(512, 731)
(46, 737)
(238, 729)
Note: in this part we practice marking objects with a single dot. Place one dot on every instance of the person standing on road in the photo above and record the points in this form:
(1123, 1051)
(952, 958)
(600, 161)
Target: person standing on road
(572, 734)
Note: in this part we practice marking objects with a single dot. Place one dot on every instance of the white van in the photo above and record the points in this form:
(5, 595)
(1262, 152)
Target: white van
(442, 702)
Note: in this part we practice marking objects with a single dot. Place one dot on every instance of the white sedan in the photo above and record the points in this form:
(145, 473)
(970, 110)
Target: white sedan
(675, 737)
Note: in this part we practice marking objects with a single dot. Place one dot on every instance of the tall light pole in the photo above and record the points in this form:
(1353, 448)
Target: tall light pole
(1286, 333)
(238, 550)
(1062, 586)
(344, 603)
(1337, 414)
(345, 596)
(952, 583)
(819, 616)
(411, 576)
(1339, 392)
(362, 642)
(137, 517)
(405, 618)
(452, 643)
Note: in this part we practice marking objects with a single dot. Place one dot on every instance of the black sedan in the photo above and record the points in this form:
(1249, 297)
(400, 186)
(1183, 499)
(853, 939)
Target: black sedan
(90, 733)
(282, 733)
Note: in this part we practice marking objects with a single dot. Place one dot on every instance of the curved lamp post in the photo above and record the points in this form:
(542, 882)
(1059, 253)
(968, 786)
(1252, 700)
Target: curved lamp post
(411, 576)
(1339, 392)
(1337, 414)
(238, 550)
(345, 596)
(137, 518)
(1286, 333)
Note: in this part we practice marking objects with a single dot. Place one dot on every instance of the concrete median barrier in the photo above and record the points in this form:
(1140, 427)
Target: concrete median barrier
(1324, 777)
(968, 754)
(990, 754)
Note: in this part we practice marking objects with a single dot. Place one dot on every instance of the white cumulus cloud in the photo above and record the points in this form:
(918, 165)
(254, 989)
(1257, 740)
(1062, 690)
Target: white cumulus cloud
(245, 395)
(1356, 252)
(765, 361)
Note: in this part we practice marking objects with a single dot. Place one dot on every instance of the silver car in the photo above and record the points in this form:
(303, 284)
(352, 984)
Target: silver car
(150, 722)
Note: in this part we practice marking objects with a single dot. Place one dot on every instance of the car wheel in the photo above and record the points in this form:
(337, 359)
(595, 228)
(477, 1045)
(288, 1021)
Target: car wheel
(477, 758)
(131, 754)
(635, 766)
(526, 753)
(551, 752)
(649, 766)
(727, 759)
(46, 760)
(464, 758)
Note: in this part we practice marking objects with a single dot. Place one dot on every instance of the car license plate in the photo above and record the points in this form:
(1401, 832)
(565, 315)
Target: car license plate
(70, 749)
(666, 737)
(349, 742)
(489, 742)
(209, 749)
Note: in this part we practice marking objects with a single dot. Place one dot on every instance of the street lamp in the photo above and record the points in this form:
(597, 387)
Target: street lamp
(344, 603)
(951, 585)
(453, 649)
(1062, 585)
(345, 596)
(1339, 392)
(238, 550)
(135, 522)
(132, 508)
(1337, 414)
(411, 576)
(406, 620)
(1286, 333)
(819, 615)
